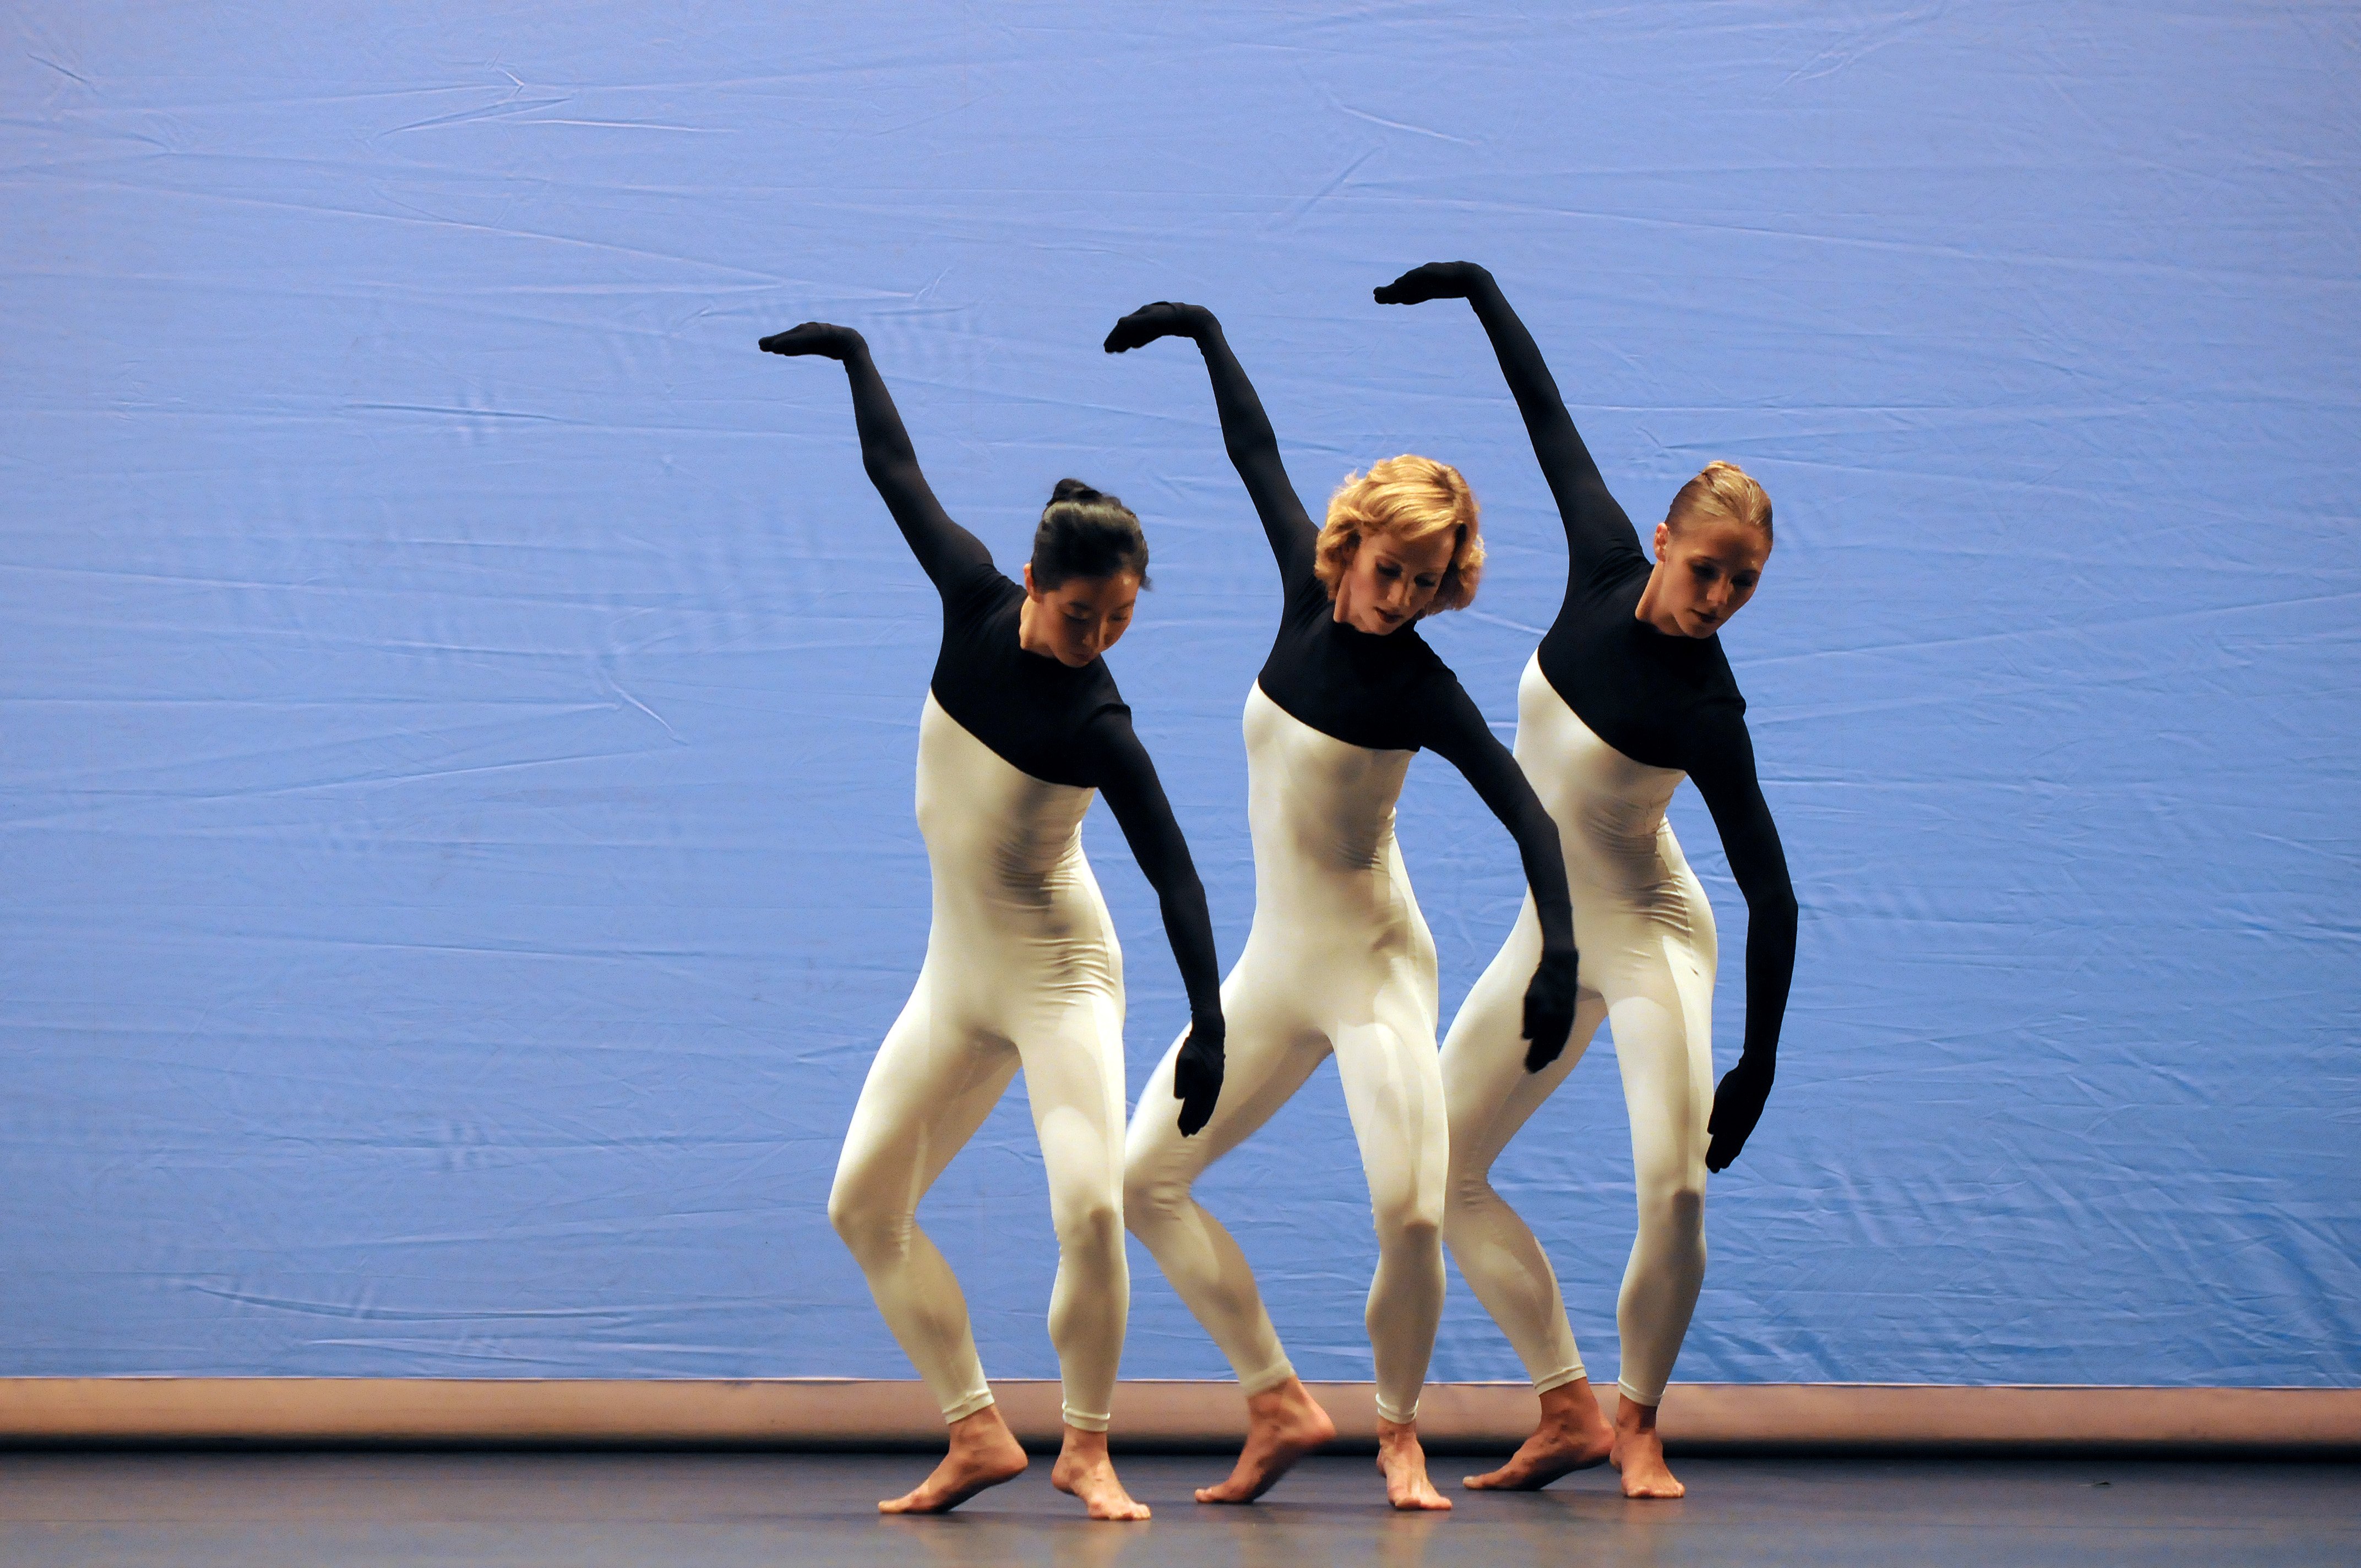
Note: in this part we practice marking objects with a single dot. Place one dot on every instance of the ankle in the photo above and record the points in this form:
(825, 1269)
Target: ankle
(1289, 1405)
(1635, 1418)
(985, 1430)
(1083, 1447)
(1279, 1395)
(1572, 1406)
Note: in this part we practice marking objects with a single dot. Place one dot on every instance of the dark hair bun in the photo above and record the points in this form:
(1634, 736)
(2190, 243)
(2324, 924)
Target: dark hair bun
(1086, 533)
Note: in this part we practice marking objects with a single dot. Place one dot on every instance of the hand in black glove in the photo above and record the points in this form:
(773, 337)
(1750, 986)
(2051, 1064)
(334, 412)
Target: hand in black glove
(1435, 280)
(1197, 1072)
(1162, 319)
(1736, 1106)
(1549, 1009)
(812, 338)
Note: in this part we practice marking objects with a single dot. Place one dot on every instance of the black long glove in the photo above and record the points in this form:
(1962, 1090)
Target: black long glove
(1197, 1072)
(1549, 1009)
(1435, 280)
(1738, 1105)
(822, 338)
(1145, 324)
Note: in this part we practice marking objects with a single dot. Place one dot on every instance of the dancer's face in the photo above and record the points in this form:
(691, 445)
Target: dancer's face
(1080, 619)
(1708, 569)
(1388, 581)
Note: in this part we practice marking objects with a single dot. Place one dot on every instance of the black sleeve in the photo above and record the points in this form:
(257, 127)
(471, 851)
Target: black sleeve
(1723, 771)
(1126, 777)
(1253, 452)
(1457, 733)
(950, 554)
(1597, 529)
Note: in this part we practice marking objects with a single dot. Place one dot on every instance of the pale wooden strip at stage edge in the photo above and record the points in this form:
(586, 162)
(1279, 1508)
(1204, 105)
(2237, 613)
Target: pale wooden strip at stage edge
(851, 1413)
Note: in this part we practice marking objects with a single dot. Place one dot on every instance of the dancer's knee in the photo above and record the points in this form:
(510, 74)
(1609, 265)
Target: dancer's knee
(872, 1230)
(1673, 1212)
(1150, 1199)
(1089, 1228)
(1467, 1191)
(1409, 1204)
(1411, 1230)
(1474, 1215)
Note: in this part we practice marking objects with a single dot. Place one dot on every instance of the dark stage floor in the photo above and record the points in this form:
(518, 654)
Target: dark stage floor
(690, 1510)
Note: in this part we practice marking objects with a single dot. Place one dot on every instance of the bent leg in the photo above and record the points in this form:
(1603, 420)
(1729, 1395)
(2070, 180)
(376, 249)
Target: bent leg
(1267, 1060)
(1393, 1087)
(1665, 1054)
(929, 1089)
(1073, 1077)
(1491, 1096)
(1663, 1042)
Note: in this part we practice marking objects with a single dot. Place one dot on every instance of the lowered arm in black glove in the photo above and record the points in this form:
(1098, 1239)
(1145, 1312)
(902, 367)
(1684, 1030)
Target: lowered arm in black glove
(1723, 771)
(1126, 777)
(1461, 738)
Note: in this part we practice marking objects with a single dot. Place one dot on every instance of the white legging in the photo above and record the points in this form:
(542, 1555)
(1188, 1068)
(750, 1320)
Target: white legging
(1338, 961)
(1022, 969)
(1648, 956)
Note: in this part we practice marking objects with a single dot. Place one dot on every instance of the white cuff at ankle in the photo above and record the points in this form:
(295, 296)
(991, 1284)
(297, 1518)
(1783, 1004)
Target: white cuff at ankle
(958, 1410)
(1574, 1374)
(1271, 1378)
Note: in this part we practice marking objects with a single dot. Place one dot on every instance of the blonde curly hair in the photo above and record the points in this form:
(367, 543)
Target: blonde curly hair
(1410, 498)
(1725, 490)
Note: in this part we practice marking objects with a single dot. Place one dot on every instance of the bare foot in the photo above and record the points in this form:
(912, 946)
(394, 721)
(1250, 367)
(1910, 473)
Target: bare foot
(1639, 1452)
(1403, 1464)
(1085, 1471)
(1283, 1424)
(1573, 1435)
(984, 1453)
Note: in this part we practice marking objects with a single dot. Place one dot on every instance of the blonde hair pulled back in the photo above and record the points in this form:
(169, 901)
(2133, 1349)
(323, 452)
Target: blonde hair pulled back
(1410, 498)
(1722, 490)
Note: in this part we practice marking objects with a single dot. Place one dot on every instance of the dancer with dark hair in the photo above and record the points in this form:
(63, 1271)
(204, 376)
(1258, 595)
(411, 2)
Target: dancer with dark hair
(1021, 723)
(1339, 960)
(1629, 693)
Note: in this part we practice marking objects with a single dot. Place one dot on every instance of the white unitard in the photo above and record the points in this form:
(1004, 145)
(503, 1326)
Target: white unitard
(1338, 961)
(1648, 957)
(1022, 969)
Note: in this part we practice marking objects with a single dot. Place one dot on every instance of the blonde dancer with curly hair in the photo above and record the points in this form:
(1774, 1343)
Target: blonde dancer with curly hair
(1339, 961)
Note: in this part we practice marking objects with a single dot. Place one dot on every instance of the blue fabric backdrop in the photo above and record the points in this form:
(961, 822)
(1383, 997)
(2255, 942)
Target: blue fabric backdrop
(459, 700)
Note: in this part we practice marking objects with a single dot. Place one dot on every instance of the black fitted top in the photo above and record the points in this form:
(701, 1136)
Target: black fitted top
(1666, 701)
(1389, 693)
(1043, 718)
(1038, 716)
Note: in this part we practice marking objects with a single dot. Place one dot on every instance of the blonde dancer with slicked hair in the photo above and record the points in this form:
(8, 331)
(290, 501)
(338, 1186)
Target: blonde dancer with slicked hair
(1628, 694)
